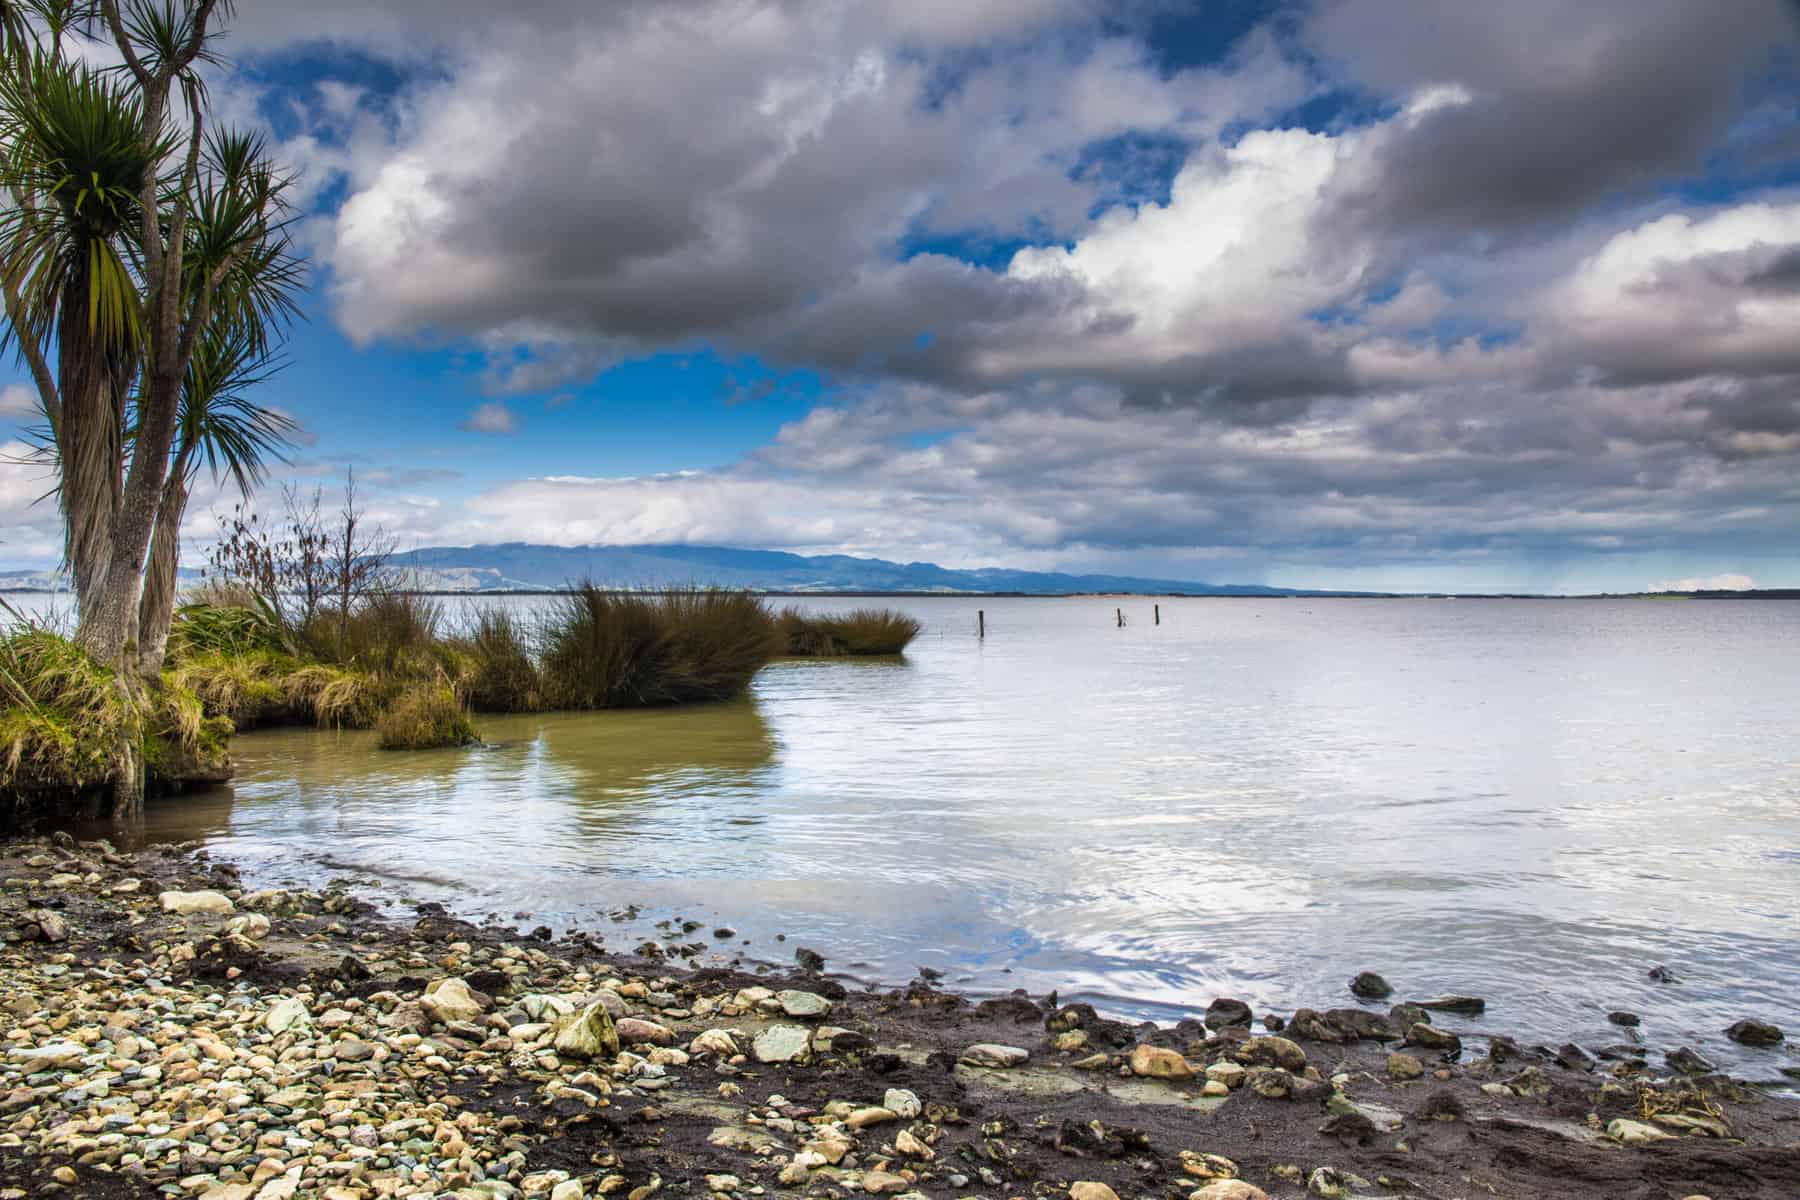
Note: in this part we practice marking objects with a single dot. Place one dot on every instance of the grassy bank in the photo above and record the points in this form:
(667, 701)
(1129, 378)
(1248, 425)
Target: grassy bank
(65, 719)
(394, 664)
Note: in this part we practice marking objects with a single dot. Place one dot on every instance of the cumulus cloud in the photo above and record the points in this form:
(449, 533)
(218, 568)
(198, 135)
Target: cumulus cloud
(1074, 301)
(491, 417)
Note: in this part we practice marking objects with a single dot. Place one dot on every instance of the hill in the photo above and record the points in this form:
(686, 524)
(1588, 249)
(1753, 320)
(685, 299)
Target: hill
(519, 566)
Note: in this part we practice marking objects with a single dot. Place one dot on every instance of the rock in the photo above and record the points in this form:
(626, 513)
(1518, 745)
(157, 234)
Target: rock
(633, 1032)
(1370, 986)
(1088, 1189)
(1331, 1183)
(352, 1050)
(52, 1054)
(809, 960)
(1432, 1038)
(803, 1004)
(1231, 1074)
(287, 1013)
(1688, 1062)
(1466, 1006)
(716, 1042)
(1404, 1066)
(1207, 1166)
(862, 1118)
(449, 1000)
(1229, 1189)
(878, 1182)
(1531, 1083)
(568, 1189)
(228, 1191)
(1316, 1027)
(254, 926)
(1225, 1012)
(783, 1043)
(1627, 1019)
(912, 1147)
(1662, 974)
(1272, 1052)
(1154, 1062)
(1635, 1133)
(45, 925)
(991, 1054)
(187, 904)
(589, 1034)
(1070, 1041)
(1361, 1023)
(1755, 1033)
(902, 1103)
(1272, 1083)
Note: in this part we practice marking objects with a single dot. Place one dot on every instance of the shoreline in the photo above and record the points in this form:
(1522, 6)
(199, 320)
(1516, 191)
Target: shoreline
(282, 1047)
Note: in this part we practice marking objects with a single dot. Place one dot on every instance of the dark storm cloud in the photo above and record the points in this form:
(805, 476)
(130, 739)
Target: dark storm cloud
(1566, 104)
(1780, 275)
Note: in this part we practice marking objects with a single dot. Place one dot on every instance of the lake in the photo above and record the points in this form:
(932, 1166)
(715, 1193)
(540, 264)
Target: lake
(1530, 801)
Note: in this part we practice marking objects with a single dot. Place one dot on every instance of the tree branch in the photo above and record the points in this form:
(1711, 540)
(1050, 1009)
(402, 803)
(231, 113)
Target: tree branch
(34, 356)
(111, 10)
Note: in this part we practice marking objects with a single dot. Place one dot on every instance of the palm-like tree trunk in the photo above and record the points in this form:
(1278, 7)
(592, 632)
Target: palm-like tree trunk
(156, 613)
(89, 446)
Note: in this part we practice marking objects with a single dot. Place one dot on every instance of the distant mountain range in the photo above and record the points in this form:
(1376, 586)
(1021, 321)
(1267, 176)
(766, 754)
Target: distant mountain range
(518, 566)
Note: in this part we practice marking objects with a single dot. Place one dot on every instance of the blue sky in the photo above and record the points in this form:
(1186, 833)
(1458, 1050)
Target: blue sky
(1308, 293)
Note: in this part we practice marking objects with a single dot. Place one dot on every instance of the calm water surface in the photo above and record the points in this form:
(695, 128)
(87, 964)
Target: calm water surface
(1529, 801)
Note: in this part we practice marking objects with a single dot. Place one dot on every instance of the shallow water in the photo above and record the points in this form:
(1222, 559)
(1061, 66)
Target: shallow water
(1531, 801)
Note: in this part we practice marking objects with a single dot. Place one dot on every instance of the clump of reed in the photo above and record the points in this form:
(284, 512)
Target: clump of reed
(427, 714)
(862, 631)
(613, 650)
(499, 675)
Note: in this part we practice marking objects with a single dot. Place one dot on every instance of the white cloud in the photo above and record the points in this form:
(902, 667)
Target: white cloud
(1717, 583)
(18, 402)
(491, 417)
(1682, 295)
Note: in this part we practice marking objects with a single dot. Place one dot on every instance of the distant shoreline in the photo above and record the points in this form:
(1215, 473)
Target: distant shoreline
(1299, 594)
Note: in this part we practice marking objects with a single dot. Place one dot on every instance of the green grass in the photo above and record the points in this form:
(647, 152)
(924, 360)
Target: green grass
(863, 631)
(424, 716)
(611, 650)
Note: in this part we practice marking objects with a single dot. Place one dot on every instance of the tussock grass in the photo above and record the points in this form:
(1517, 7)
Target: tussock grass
(610, 650)
(335, 697)
(499, 674)
(246, 688)
(425, 715)
(863, 631)
(64, 714)
(64, 717)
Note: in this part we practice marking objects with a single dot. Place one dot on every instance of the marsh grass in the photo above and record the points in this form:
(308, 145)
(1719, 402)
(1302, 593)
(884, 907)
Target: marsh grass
(499, 675)
(426, 715)
(606, 649)
(862, 631)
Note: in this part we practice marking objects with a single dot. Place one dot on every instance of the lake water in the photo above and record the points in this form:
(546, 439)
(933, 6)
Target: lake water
(1530, 801)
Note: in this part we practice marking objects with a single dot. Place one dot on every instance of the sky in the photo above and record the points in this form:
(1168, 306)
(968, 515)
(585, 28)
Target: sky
(1339, 293)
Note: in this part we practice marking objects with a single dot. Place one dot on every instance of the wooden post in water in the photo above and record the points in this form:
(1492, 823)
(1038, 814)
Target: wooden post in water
(981, 623)
(1120, 614)
(1157, 609)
